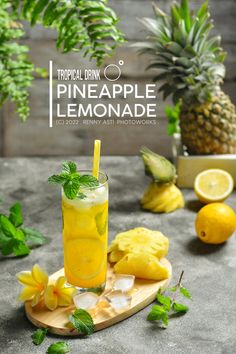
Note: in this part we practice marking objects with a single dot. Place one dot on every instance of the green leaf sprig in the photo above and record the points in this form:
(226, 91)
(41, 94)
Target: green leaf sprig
(72, 181)
(167, 305)
(82, 321)
(14, 238)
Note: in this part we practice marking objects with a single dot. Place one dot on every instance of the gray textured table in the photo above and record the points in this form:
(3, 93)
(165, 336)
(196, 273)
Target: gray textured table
(210, 271)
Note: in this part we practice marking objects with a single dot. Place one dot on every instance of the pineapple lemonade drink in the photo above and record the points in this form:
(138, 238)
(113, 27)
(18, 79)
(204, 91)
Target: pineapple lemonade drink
(85, 223)
(85, 231)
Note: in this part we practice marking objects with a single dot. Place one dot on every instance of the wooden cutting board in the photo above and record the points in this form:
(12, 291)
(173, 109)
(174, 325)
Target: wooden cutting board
(104, 316)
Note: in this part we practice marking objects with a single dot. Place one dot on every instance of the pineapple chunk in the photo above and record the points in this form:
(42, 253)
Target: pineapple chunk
(142, 265)
(140, 240)
(115, 256)
(113, 246)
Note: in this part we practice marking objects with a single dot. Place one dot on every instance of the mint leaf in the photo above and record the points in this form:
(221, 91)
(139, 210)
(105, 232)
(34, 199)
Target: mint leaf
(179, 308)
(69, 167)
(165, 301)
(39, 335)
(20, 248)
(33, 237)
(58, 348)
(58, 179)
(3, 239)
(173, 289)
(82, 321)
(7, 248)
(16, 216)
(158, 313)
(19, 235)
(89, 181)
(185, 292)
(71, 188)
(7, 227)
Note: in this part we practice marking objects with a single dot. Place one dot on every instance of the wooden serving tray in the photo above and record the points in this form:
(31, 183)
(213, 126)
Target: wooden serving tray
(56, 321)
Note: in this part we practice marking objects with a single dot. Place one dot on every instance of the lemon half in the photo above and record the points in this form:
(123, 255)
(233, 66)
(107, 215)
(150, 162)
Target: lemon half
(213, 185)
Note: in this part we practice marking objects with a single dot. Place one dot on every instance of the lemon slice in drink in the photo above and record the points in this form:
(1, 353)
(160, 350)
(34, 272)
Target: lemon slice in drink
(85, 257)
(213, 185)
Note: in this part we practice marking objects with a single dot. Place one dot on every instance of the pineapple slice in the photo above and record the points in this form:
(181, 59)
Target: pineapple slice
(142, 265)
(140, 240)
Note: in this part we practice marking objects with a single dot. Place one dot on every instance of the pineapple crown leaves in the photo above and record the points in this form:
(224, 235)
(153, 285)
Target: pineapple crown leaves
(81, 25)
(190, 60)
(158, 167)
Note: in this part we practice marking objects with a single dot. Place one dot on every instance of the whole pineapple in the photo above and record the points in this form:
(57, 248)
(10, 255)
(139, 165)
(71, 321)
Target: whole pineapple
(191, 63)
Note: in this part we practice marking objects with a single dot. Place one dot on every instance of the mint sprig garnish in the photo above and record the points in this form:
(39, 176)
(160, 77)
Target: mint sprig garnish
(72, 181)
(82, 321)
(168, 306)
(15, 239)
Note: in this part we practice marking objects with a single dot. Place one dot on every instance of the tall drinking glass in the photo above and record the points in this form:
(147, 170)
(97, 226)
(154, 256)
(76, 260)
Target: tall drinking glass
(85, 236)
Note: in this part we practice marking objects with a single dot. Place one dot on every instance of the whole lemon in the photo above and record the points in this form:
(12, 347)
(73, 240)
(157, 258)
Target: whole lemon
(215, 223)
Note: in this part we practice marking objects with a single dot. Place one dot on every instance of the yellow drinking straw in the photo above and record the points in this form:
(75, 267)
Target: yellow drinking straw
(96, 157)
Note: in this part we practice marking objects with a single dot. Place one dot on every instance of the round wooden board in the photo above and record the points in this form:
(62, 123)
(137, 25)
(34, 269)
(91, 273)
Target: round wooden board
(56, 321)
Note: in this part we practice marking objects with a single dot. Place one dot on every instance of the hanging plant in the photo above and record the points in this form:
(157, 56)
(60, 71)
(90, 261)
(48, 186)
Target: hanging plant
(82, 26)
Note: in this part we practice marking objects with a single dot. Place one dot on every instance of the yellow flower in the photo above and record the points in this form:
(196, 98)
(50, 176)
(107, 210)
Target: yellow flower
(58, 295)
(35, 282)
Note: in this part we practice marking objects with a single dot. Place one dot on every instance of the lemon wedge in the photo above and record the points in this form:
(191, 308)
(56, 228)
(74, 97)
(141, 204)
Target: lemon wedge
(213, 185)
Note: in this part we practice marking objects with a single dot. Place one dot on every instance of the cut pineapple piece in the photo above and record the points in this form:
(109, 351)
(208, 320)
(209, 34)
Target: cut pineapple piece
(112, 246)
(142, 265)
(140, 240)
(115, 256)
